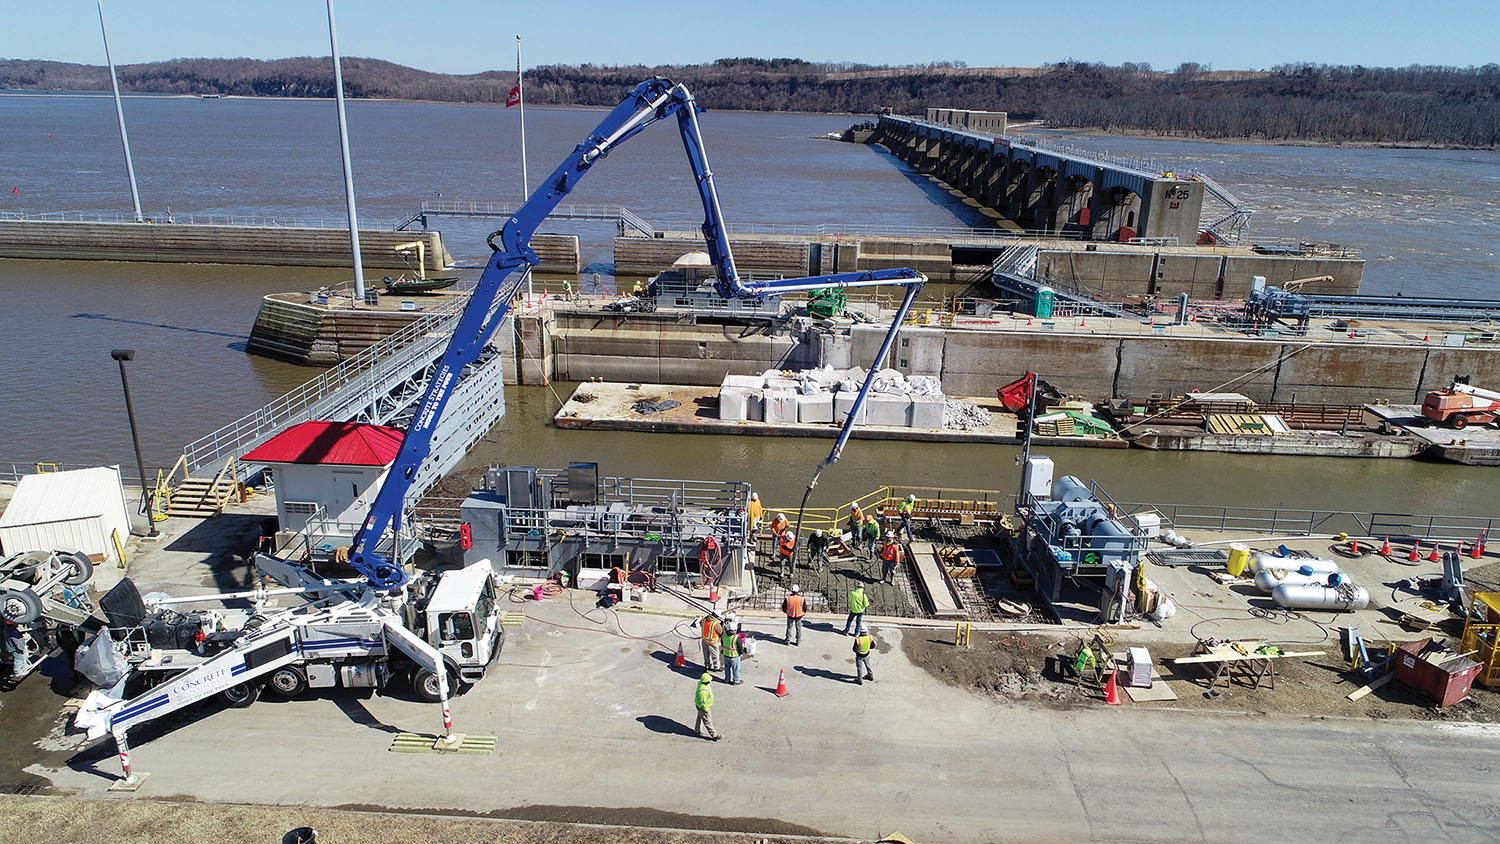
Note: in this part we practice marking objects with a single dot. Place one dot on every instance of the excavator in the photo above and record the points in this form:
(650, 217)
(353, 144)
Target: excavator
(367, 617)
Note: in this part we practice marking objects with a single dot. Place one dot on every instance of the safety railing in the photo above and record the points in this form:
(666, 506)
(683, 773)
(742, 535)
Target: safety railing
(14, 472)
(351, 380)
(174, 218)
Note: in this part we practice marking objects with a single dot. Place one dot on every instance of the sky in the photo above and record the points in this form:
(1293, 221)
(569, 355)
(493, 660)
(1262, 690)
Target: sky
(466, 36)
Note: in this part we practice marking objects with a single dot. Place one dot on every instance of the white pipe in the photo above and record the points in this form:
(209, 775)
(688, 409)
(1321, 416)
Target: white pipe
(135, 196)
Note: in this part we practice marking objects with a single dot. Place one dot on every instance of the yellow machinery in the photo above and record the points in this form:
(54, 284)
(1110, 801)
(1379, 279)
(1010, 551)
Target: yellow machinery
(1482, 637)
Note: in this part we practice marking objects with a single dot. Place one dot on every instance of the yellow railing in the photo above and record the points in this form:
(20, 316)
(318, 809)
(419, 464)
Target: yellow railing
(162, 499)
(45, 468)
(932, 502)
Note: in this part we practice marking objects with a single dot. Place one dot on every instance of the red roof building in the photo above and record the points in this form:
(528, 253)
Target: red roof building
(330, 444)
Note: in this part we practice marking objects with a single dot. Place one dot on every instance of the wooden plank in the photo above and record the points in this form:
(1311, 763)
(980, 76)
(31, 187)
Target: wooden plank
(1238, 657)
(924, 559)
(1370, 687)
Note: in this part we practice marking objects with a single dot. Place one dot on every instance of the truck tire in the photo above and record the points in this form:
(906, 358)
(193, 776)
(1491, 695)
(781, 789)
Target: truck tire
(241, 695)
(425, 684)
(20, 606)
(80, 567)
(1458, 421)
(288, 682)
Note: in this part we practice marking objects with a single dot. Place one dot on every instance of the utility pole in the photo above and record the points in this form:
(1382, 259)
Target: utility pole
(135, 195)
(120, 356)
(338, 88)
(525, 182)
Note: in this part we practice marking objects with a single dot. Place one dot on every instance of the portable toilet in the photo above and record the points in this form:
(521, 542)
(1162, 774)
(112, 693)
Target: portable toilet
(1045, 300)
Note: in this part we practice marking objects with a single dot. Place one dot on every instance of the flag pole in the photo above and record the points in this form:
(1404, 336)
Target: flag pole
(338, 95)
(135, 195)
(525, 182)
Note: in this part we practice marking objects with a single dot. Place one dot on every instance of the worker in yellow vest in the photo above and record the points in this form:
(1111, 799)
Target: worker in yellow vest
(703, 699)
(863, 644)
(858, 603)
(904, 510)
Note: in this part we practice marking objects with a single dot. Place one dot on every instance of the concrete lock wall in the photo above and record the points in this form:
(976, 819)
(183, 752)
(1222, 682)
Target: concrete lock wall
(1144, 270)
(641, 350)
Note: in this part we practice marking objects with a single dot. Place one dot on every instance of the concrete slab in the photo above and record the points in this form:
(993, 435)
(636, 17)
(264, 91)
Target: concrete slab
(815, 409)
(780, 406)
(733, 404)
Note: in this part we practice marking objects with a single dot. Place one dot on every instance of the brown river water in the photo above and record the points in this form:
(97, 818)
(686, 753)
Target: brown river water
(1424, 220)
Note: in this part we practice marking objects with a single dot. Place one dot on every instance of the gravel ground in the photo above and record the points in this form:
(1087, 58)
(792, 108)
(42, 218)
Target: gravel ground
(1025, 669)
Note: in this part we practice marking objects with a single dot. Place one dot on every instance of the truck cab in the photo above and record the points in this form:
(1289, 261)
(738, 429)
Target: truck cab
(463, 619)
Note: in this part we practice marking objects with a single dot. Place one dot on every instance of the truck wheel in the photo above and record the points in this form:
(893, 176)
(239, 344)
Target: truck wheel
(241, 695)
(287, 682)
(20, 606)
(80, 568)
(1459, 422)
(425, 684)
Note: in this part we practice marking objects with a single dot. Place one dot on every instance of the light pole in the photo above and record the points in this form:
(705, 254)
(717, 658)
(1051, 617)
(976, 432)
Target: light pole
(120, 356)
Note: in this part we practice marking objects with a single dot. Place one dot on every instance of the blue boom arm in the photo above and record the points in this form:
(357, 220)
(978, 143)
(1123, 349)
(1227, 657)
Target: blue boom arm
(650, 101)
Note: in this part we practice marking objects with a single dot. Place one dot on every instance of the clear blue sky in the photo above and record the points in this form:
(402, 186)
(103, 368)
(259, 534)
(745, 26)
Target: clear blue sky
(466, 36)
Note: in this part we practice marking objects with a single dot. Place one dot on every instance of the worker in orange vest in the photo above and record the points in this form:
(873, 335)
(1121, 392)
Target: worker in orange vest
(891, 555)
(779, 524)
(757, 511)
(856, 519)
(794, 609)
(786, 550)
(712, 632)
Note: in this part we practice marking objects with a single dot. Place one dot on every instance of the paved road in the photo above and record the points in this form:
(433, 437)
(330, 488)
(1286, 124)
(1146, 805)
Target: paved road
(587, 719)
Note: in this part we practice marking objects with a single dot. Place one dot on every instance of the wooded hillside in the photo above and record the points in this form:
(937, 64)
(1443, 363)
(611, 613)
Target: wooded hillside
(1316, 103)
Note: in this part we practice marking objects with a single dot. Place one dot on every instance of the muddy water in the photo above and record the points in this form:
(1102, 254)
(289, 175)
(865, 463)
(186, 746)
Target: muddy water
(58, 320)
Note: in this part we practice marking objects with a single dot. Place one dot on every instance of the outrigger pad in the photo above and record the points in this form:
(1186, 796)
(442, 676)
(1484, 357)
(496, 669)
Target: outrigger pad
(123, 606)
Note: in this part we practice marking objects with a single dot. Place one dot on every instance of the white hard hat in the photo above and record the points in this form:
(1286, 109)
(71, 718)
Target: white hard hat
(754, 496)
(781, 516)
(863, 628)
(890, 535)
(911, 497)
(818, 532)
(796, 588)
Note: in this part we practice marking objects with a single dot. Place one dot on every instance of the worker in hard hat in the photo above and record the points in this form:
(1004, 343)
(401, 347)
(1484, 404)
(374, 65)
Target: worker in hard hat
(703, 699)
(856, 520)
(817, 550)
(794, 608)
(858, 603)
(757, 511)
(871, 534)
(779, 524)
(904, 510)
(786, 551)
(890, 556)
(731, 644)
(712, 631)
(863, 644)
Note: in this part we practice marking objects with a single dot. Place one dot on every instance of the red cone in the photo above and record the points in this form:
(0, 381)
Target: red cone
(1112, 689)
(1477, 549)
(1385, 547)
(1434, 557)
(1415, 555)
(681, 659)
(781, 683)
(1354, 546)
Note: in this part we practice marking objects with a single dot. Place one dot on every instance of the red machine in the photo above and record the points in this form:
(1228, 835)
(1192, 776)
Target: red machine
(1016, 396)
(1460, 404)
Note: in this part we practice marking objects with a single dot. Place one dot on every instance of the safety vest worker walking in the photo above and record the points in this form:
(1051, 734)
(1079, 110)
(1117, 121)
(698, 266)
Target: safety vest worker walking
(794, 609)
(703, 699)
(904, 510)
(862, 645)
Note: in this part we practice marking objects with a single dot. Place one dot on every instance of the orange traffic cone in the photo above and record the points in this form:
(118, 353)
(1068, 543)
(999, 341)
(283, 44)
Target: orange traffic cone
(1385, 547)
(713, 593)
(781, 683)
(681, 659)
(1434, 557)
(1478, 547)
(1415, 555)
(1028, 320)
(1083, 322)
(1459, 550)
(1112, 689)
(1426, 337)
(1354, 546)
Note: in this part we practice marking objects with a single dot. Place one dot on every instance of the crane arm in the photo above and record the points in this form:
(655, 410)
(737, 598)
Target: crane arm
(650, 101)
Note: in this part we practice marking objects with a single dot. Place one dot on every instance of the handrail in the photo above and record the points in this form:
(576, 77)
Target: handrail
(236, 220)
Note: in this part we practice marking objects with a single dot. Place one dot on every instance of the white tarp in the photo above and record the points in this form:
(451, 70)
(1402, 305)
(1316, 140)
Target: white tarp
(77, 510)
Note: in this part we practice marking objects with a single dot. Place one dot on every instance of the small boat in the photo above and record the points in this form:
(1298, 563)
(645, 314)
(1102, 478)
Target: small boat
(405, 285)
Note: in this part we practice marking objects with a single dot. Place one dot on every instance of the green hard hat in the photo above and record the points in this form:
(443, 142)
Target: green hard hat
(706, 678)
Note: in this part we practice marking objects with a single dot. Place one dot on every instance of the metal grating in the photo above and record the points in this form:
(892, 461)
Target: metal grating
(1188, 557)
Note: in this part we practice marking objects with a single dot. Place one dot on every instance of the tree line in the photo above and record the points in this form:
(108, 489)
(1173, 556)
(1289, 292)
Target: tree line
(1293, 102)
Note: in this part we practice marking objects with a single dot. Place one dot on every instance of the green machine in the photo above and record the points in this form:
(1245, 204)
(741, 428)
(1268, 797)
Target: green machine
(826, 302)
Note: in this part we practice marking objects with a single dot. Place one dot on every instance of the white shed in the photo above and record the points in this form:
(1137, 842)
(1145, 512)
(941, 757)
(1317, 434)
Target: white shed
(78, 510)
(327, 466)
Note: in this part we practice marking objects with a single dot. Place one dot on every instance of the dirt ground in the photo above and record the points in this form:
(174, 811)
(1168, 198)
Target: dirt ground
(1027, 670)
(41, 820)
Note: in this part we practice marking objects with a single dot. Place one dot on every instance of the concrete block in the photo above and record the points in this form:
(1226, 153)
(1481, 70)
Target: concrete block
(889, 410)
(746, 382)
(780, 405)
(843, 403)
(815, 408)
(926, 413)
(733, 404)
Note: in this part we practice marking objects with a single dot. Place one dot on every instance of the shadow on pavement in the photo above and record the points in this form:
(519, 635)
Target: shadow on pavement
(666, 726)
(824, 674)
